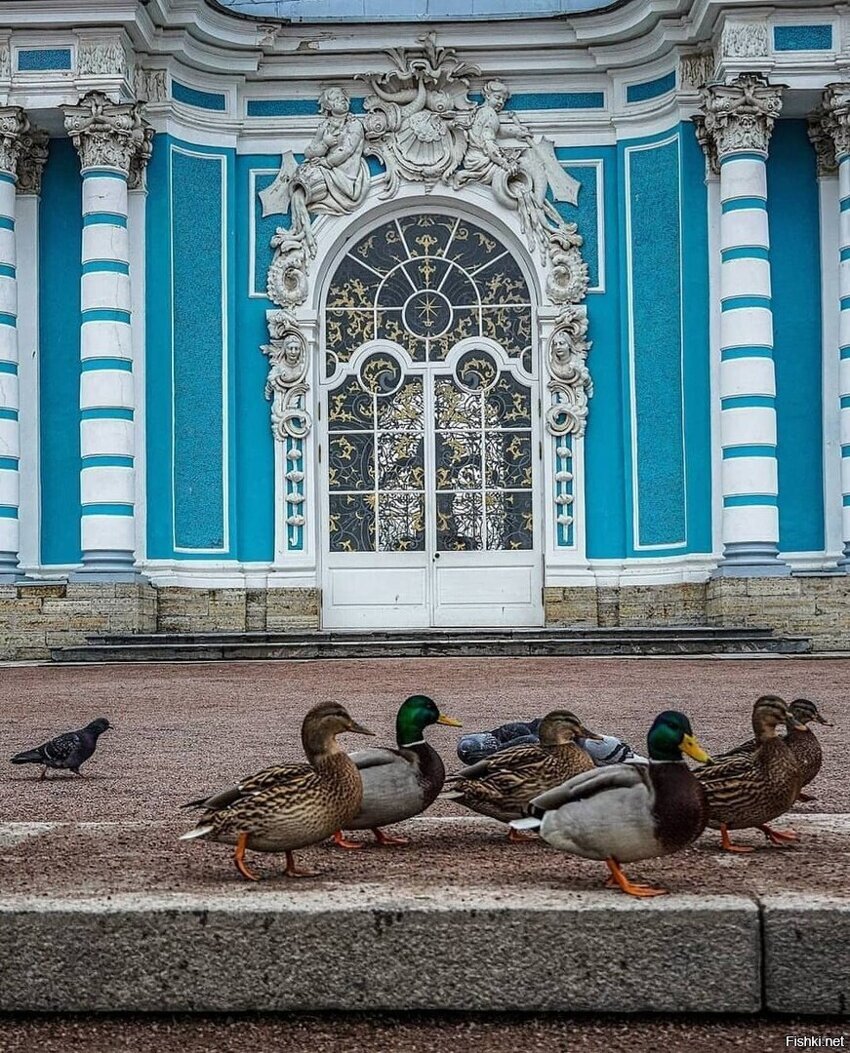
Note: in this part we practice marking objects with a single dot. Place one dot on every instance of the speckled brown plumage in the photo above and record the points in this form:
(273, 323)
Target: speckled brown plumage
(290, 806)
(803, 744)
(502, 785)
(749, 790)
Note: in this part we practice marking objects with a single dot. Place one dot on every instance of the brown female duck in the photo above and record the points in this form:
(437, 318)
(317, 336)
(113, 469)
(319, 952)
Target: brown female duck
(502, 785)
(749, 790)
(293, 805)
(804, 745)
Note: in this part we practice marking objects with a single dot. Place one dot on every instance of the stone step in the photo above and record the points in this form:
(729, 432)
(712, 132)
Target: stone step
(693, 640)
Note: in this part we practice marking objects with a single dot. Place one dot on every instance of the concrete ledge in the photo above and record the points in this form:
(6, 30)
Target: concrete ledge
(454, 949)
(807, 962)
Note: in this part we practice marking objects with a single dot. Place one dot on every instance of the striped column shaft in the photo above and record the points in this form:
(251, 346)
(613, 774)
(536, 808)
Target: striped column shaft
(107, 443)
(10, 447)
(747, 378)
(844, 348)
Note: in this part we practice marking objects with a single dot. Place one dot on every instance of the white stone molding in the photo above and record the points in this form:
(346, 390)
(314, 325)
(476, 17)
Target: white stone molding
(114, 144)
(739, 116)
(696, 70)
(735, 130)
(823, 141)
(834, 118)
(286, 386)
(107, 134)
(744, 40)
(31, 161)
(151, 85)
(423, 127)
(13, 126)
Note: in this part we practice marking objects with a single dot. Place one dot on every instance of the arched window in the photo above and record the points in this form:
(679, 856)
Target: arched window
(426, 282)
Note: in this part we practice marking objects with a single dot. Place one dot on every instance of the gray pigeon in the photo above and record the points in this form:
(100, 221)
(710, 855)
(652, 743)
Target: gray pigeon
(65, 751)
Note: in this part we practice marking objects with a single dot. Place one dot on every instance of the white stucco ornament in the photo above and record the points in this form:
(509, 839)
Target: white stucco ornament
(423, 127)
(286, 385)
(570, 382)
(737, 117)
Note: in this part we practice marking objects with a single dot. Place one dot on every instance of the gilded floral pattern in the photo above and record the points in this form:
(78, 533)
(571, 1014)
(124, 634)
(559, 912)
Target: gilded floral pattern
(425, 282)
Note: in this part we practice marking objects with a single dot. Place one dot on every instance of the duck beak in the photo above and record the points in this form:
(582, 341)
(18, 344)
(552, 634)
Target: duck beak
(358, 729)
(824, 721)
(792, 722)
(586, 733)
(693, 749)
(450, 722)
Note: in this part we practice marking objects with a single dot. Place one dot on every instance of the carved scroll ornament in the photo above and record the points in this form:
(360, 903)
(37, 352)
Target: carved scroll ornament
(423, 127)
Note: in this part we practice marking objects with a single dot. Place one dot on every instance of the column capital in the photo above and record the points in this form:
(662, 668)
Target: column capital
(13, 127)
(31, 161)
(107, 134)
(738, 117)
(832, 120)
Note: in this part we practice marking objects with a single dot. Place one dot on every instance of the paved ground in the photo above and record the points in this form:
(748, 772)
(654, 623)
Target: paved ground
(406, 1034)
(183, 730)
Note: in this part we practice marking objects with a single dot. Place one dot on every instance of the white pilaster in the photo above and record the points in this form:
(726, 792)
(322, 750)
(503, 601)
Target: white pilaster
(108, 138)
(735, 132)
(13, 126)
(833, 120)
(31, 164)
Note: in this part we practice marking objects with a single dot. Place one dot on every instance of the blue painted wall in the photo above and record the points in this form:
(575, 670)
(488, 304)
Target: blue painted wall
(60, 245)
(254, 442)
(191, 396)
(793, 212)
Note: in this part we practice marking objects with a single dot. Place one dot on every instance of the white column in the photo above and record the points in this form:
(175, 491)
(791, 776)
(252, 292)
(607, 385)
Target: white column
(31, 164)
(834, 118)
(13, 124)
(736, 130)
(108, 139)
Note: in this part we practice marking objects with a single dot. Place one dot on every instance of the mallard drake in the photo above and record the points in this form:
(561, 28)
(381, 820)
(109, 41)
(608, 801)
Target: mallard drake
(287, 807)
(750, 789)
(399, 783)
(805, 747)
(625, 812)
(501, 785)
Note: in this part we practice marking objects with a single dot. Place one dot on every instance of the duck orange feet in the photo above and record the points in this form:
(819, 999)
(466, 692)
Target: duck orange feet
(294, 871)
(343, 842)
(388, 839)
(632, 888)
(780, 838)
(517, 836)
(728, 845)
(239, 859)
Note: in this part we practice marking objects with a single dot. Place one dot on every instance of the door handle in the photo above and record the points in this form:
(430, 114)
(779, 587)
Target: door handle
(436, 555)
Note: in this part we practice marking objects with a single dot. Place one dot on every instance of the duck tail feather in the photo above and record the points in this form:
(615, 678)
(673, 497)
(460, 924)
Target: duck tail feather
(198, 831)
(527, 823)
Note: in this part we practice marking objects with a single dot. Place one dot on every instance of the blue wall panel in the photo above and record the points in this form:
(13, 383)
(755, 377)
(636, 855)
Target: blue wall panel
(656, 318)
(586, 213)
(695, 334)
(795, 275)
(254, 442)
(60, 244)
(604, 453)
(199, 349)
(190, 312)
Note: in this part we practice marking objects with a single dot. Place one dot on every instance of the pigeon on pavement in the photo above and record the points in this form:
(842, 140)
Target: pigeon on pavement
(65, 751)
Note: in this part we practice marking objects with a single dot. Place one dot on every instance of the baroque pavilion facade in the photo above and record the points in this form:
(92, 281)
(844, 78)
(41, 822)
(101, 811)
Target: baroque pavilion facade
(396, 319)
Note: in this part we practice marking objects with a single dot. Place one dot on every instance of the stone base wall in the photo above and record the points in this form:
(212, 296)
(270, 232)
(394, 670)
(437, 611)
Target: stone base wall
(182, 610)
(813, 605)
(35, 617)
(681, 603)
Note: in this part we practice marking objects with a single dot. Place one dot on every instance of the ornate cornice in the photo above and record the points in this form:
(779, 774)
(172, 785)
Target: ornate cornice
(832, 120)
(738, 116)
(31, 161)
(109, 135)
(13, 126)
